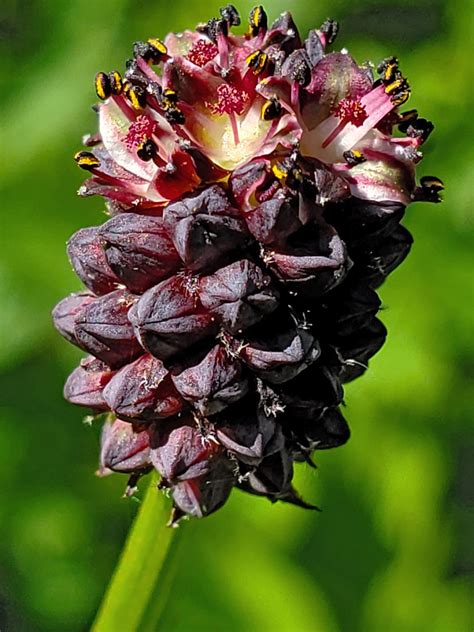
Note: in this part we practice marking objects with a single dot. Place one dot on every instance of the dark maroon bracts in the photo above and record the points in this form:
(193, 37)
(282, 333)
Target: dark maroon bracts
(255, 188)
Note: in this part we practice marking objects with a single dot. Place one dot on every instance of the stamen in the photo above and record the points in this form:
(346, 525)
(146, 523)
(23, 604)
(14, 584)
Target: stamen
(222, 31)
(407, 117)
(230, 14)
(431, 188)
(116, 84)
(152, 51)
(388, 68)
(174, 115)
(202, 52)
(432, 182)
(328, 31)
(257, 61)
(158, 45)
(102, 86)
(419, 129)
(257, 21)
(271, 109)
(147, 150)
(169, 98)
(136, 95)
(86, 160)
(353, 157)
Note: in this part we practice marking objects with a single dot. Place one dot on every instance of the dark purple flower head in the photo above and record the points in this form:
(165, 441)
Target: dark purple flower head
(256, 184)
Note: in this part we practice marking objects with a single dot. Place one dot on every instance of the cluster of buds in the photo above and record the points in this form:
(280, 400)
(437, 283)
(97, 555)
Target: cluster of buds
(255, 186)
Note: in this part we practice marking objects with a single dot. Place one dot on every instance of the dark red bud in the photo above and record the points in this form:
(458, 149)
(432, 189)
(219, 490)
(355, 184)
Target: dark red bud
(103, 329)
(66, 312)
(202, 496)
(213, 383)
(329, 430)
(204, 228)
(239, 294)
(246, 181)
(87, 257)
(272, 478)
(169, 319)
(349, 307)
(248, 433)
(183, 453)
(139, 250)
(85, 384)
(278, 350)
(124, 448)
(274, 221)
(142, 391)
(314, 260)
(313, 389)
(356, 349)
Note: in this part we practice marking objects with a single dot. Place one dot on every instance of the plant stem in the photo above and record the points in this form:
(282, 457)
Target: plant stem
(141, 573)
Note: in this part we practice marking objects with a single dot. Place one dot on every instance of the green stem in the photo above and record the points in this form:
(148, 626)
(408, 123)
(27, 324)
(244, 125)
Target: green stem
(139, 586)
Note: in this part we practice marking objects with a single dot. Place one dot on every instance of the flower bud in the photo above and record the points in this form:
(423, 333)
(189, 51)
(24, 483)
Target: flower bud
(142, 392)
(85, 385)
(168, 318)
(103, 329)
(66, 312)
(139, 250)
(87, 257)
(182, 452)
(124, 448)
(239, 295)
(213, 383)
(204, 228)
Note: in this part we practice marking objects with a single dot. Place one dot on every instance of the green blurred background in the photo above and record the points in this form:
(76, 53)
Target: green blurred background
(391, 550)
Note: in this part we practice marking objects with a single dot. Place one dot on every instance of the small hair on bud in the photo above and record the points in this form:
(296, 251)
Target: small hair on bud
(86, 160)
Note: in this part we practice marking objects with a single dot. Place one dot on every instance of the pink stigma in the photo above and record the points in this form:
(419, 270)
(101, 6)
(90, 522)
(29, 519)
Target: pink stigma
(230, 100)
(140, 130)
(350, 111)
(202, 52)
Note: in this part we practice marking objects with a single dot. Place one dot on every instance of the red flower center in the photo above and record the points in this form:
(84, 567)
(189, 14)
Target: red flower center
(140, 130)
(230, 100)
(202, 52)
(350, 111)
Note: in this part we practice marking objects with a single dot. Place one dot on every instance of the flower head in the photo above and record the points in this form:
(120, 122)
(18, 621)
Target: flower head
(256, 185)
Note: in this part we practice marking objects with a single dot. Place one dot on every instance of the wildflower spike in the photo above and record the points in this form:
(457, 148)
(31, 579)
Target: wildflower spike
(256, 190)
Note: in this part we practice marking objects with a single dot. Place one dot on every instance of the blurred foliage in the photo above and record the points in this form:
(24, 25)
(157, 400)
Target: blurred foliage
(390, 552)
